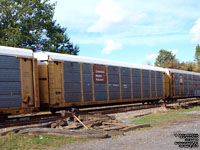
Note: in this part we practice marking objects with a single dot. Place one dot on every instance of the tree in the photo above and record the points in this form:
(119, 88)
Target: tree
(30, 24)
(197, 54)
(166, 59)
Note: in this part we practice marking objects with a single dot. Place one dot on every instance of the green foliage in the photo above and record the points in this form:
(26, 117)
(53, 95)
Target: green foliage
(166, 59)
(14, 141)
(30, 24)
(197, 54)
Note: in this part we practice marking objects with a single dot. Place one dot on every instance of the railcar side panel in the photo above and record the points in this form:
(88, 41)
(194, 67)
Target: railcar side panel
(100, 84)
(10, 82)
(87, 82)
(126, 83)
(146, 84)
(159, 82)
(72, 84)
(113, 79)
(136, 77)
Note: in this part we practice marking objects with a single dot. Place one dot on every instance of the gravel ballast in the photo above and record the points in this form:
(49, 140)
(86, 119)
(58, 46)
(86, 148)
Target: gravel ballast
(155, 138)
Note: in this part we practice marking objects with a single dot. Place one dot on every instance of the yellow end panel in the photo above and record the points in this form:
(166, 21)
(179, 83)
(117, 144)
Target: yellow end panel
(43, 84)
(172, 88)
(27, 82)
(167, 85)
(36, 83)
(56, 83)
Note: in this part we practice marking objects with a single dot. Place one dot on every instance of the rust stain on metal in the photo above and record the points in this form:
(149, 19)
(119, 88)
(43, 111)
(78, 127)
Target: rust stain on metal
(100, 74)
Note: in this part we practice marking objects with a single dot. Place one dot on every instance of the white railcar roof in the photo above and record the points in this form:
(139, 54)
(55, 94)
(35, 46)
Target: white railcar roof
(73, 58)
(183, 72)
(11, 51)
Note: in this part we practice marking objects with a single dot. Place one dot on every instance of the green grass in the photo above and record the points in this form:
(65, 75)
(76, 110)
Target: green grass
(14, 141)
(172, 116)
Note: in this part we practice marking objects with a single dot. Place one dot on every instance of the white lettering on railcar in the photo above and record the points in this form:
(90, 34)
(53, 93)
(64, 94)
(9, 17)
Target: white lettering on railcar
(99, 76)
(100, 71)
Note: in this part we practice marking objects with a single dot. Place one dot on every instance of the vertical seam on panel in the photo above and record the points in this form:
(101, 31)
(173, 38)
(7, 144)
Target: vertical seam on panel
(188, 85)
(141, 83)
(183, 88)
(131, 76)
(179, 85)
(93, 90)
(107, 82)
(163, 76)
(22, 86)
(150, 83)
(63, 82)
(81, 76)
(156, 84)
(120, 82)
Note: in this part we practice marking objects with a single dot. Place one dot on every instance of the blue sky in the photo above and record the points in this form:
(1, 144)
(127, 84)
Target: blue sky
(131, 30)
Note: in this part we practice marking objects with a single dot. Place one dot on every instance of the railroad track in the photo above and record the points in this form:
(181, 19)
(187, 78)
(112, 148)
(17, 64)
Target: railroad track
(47, 117)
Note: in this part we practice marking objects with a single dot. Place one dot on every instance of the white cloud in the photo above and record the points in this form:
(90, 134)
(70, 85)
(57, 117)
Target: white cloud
(174, 51)
(111, 46)
(152, 56)
(110, 13)
(195, 31)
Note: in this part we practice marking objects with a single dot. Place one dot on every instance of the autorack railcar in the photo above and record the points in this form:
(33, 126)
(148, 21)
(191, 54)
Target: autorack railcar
(76, 81)
(184, 84)
(19, 91)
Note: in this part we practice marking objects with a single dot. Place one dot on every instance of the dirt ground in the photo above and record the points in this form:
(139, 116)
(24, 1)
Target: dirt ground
(156, 138)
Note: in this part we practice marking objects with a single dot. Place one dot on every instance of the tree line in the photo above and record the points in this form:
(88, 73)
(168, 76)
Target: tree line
(167, 59)
(30, 24)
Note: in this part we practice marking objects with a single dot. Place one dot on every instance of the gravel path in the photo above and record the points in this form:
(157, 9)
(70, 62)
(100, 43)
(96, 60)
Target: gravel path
(157, 138)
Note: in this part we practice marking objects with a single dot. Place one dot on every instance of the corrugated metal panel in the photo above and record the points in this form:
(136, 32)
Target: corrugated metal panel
(113, 78)
(10, 88)
(72, 87)
(87, 82)
(72, 97)
(126, 83)
(159, 78)
(72, 77)
(72, 83)
(136, 83)
(8, 62)
(114, 87)
(70, 67)
(113, 70)
(145, 83)
(100, 96)
(10, 101)
(153, 86)
(114, 95)
(10, 82)
(99, 87)
(87, 97)
(11, 75)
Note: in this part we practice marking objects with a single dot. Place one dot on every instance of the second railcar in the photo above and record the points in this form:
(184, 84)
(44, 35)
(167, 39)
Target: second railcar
(67, 80)
(18, 81)
(184, 83)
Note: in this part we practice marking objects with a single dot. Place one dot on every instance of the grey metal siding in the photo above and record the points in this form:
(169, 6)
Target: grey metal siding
(10, 82)
(100, 91)
(159, 78)
(72, 84)
(126, 83)
(145, 83)
(153, 85)
(114, 87)
(136, 83)
(87, 82)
